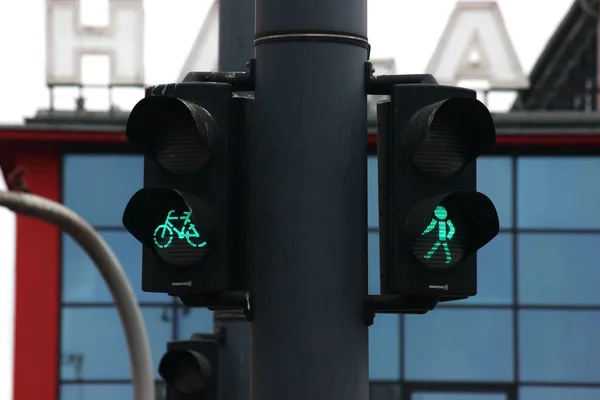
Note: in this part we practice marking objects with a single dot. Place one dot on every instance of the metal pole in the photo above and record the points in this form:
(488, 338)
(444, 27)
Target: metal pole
(111, 270)
(236, 47)
(307, 202)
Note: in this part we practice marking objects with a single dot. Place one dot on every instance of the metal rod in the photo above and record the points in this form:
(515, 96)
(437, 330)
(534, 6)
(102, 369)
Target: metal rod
(307, 202)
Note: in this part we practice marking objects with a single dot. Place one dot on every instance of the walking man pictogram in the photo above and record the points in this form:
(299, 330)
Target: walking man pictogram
(445, 233)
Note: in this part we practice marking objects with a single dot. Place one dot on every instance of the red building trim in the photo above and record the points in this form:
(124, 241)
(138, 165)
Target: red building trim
(37, 310)
(503, 140)
(535, 141)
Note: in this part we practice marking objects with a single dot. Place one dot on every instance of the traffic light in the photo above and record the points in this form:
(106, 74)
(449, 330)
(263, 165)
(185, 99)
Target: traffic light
(186, 215)
(190, 368)
(432, 219)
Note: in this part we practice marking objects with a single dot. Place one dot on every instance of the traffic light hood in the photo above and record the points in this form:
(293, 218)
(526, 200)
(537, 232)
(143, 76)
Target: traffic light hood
(469, 209)
(180, 135)
(442, 138)
(151, 207)
(185, 370)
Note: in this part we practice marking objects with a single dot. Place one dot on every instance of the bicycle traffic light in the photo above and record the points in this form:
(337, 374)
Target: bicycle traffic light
(432, 219)
(185, 216)
(190, 368)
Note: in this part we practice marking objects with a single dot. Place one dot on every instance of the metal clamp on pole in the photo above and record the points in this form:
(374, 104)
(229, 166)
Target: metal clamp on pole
(382, 84)
(239, 81)
(390, 304)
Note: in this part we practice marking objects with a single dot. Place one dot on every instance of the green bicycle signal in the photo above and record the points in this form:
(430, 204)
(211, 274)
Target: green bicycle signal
(164, 233)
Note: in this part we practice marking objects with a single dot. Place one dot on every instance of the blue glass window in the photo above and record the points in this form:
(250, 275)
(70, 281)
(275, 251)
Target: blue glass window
(384, 347)
(559, 269)
(81, 281)
(193, 320)
(559, 346)
(494, 272)
(93, 342)
(558, 393)
(558, 192)
(459, 345)
(372, 192)
(494, 179)
(98, 187)
(96, 392)
(373, 260)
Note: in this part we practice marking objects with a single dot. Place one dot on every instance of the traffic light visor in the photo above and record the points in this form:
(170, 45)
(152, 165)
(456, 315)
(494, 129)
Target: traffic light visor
(446, 136)
(175, 225)
(447, 228)
(187, 371)
(178, 134)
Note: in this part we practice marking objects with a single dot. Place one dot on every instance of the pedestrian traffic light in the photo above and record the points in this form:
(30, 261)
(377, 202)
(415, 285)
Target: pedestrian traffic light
(190, 368)
(186, 215)
(432, 219)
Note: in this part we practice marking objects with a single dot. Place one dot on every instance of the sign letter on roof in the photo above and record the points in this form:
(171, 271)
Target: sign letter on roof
(476, 45)
(122, 41)
(204, 55)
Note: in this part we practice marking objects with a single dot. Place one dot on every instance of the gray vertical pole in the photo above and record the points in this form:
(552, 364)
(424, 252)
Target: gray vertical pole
(307, 200)
(236, 46)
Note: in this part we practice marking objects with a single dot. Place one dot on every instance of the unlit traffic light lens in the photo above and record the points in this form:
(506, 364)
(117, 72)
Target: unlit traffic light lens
(443, 152)
(442, 243)
(450, 134)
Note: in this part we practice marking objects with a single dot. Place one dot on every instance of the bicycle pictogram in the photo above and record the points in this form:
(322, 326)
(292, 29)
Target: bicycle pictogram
(164, 233)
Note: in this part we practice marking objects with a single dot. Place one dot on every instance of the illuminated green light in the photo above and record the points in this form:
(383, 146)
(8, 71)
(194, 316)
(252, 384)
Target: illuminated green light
(445, 233)
(165, 232)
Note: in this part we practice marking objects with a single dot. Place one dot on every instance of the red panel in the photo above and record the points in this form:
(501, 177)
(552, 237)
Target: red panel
(535, 141)
(37, 282)
(71, 137)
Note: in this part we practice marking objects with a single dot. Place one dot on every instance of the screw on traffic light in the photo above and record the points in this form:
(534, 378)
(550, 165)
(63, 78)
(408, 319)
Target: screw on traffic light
(190, 368)
(187, 216)
(432, 219)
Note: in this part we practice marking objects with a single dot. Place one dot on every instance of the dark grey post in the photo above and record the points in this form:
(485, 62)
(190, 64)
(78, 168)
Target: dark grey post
(307, 200)
(236, 47)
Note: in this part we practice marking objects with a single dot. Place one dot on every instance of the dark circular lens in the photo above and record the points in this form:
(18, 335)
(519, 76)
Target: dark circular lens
(177, 239)
(181, 143)
(444, 149)
(442, 243)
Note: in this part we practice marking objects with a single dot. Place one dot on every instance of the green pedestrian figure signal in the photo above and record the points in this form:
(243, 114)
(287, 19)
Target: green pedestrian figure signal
(164, 233)
(445, 233)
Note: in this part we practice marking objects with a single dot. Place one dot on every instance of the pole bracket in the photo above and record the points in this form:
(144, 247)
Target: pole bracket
(398, 304)
(382, 84)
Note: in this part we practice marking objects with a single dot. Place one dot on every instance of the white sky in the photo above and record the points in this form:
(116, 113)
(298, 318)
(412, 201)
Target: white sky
(406, 30)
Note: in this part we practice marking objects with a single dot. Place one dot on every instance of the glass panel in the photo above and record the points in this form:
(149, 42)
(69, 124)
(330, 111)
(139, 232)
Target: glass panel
(558, 192)
(559, 269)
(558, 393)
(459, 345)
(98, 187)
(373, 260)
(457, 396)
(494, 272)
(193, 320)
(93, 342)
(385, 391)
(559, 346)
(384, 347)
(494, 179)
(81, 281)
(372, 192)
(96, 392)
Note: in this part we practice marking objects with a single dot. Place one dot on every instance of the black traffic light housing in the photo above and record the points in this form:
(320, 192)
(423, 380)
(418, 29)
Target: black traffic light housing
(190, 368)
(432, 219)
(188, 215)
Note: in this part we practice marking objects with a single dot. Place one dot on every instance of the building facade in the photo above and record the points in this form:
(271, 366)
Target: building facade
(530, 333)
